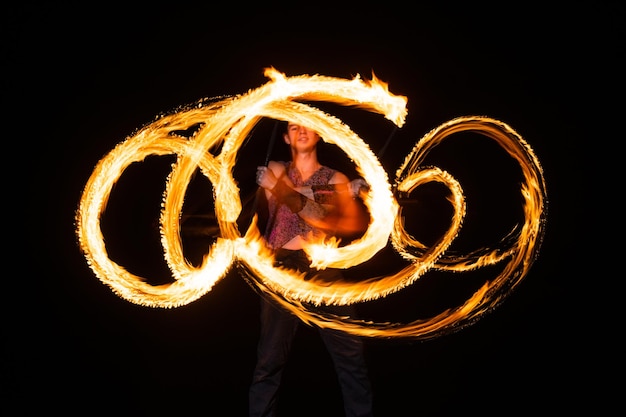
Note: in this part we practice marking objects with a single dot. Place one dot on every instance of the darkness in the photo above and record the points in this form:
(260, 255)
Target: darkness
(79, 80)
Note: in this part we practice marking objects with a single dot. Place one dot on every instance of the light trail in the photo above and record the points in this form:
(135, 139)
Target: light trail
(225, 124)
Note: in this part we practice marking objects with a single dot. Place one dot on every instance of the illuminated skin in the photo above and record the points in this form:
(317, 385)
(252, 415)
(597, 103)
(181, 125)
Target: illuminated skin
(348, 219)
(227, 123)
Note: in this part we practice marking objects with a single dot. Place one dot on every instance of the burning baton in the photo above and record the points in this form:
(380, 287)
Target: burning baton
(227, 122)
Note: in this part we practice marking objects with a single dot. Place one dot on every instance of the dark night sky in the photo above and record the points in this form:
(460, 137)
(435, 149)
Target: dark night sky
(82, 79)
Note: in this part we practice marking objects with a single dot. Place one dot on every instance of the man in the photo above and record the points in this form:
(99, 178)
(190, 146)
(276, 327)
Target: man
(307, 200)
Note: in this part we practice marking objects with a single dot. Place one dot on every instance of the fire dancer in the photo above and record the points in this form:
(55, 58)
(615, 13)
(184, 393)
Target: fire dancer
(307, 201)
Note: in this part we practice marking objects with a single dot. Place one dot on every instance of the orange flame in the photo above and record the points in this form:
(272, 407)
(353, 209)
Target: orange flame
(224, 126)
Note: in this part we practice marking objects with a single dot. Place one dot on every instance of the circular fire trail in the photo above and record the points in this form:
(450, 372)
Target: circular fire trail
(224, 126)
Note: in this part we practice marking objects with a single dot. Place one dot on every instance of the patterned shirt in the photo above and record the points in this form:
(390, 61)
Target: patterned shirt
(285, 225)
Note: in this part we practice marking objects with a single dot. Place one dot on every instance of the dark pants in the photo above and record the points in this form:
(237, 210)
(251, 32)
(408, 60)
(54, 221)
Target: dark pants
(278, 329)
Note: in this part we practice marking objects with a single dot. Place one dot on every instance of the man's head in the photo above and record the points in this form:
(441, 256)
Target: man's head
(300, 138)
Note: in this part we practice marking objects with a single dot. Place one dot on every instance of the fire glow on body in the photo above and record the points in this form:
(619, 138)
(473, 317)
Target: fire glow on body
(225, 124)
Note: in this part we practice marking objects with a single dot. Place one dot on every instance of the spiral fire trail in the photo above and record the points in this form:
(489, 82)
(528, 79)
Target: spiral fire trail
(225, 124)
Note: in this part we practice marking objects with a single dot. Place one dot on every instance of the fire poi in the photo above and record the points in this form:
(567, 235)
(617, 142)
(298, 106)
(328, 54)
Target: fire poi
(225, 124)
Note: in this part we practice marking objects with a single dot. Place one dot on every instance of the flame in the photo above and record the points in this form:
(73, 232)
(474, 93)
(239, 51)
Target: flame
(224, 126)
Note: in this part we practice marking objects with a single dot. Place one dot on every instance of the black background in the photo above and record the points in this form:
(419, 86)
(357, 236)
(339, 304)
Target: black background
(80, 79)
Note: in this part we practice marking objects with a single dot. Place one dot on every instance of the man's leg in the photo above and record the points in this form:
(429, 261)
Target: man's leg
(278, 329)
(348, 355)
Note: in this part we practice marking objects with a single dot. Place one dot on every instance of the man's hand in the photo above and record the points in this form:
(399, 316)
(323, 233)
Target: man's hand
(265, 177)
(358, 185)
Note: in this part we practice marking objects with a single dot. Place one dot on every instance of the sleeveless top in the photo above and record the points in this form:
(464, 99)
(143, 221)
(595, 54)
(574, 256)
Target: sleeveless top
(283, 224)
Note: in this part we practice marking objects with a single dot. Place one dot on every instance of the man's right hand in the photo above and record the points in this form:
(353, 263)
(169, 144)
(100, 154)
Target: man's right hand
(265, 177)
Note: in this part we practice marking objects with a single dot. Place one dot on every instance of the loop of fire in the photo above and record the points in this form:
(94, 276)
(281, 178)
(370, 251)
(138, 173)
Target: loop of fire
(224, 125)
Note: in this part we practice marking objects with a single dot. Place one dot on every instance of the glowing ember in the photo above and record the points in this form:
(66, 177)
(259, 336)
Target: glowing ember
(225, 124)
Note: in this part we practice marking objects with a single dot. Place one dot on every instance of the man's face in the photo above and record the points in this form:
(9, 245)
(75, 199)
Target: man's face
(301, 137)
